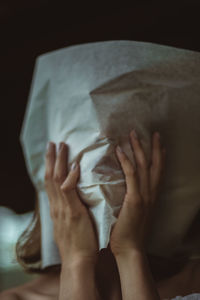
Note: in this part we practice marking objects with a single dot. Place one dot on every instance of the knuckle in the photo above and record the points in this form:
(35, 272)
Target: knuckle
(63, 214)
(47, 184)
(143, 163)
(158, 162)
(138, 201)
(130, 171)
(137, 205)
(47, 176)
(48, 155)
(55, 212)
(66, 188)
(123, 159)
(57, 178)
(75, 214)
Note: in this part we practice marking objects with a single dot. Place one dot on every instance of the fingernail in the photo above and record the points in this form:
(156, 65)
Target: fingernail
(74, 165)
(135, 134)
(48, 146)
(158, 135)
(60, 146)
(119, 149)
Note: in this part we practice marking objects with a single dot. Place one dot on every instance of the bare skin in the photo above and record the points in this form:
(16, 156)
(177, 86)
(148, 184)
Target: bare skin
(46, 286)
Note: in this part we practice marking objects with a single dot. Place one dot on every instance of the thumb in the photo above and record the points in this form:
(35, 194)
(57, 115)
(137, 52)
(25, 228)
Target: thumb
(69, 190)
(130, 172)
(72, 178)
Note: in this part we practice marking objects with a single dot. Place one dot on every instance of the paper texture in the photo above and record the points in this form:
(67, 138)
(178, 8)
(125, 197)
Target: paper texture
(90, 96)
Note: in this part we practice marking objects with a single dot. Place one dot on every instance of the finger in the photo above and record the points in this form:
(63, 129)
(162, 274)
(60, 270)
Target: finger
(60, 174)
(50, 158)
(68, 188)
(142, 166)
(130, 176)
(60, 169)
(157, 166)
(163, 163)
(71, 180)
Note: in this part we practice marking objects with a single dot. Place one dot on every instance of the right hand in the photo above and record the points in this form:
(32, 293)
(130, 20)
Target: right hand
(143, 184)
(70, 216)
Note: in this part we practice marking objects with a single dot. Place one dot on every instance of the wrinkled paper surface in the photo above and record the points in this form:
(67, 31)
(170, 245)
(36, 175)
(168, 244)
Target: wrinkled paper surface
(90, 96)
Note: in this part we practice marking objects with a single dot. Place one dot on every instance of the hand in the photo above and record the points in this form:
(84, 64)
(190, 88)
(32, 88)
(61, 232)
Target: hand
(142, 183)
(73, 228)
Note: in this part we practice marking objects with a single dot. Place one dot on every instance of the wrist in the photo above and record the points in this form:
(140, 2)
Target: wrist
(78, 280)
(78, 272)
(130, 253)
(78, 264)
(135, 275)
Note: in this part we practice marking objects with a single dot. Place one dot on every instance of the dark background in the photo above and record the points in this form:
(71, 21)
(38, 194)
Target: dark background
(30, 28)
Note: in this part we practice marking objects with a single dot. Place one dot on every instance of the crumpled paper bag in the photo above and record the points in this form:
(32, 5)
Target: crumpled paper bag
(91, 96)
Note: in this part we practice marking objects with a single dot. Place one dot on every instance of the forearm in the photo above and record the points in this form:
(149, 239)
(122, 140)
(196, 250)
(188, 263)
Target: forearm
(136, 279)
(78, 282)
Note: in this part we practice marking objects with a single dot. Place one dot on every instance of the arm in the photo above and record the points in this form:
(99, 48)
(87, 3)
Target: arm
(129, 234)
(7, 295)
(136, 279)
(78, 282)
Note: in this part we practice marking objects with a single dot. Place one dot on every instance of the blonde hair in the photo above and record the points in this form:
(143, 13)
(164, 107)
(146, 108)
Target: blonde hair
(28, 246)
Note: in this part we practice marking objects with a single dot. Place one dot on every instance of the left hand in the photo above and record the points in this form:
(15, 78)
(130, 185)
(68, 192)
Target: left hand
(143, 184)
(74, 232)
